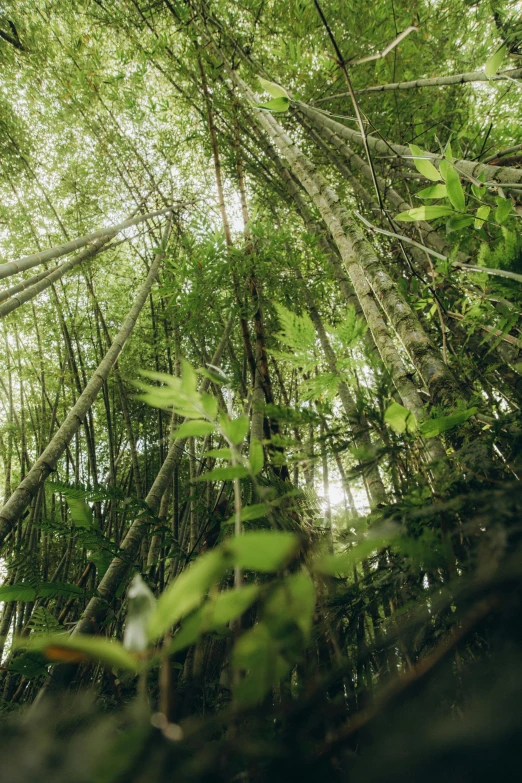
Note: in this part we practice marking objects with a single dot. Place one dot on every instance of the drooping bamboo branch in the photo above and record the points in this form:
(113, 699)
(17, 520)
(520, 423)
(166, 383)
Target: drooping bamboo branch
(504, 175)
(35, 259)
(436, 81)
(48, 278)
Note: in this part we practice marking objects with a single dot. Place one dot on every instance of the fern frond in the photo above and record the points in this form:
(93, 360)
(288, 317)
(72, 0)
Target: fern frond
(323, 386)
(44, 622)
(350, 329)
(29, 591)
(298, 331)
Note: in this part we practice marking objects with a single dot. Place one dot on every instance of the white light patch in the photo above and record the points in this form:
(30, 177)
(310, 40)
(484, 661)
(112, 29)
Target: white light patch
(337, 497)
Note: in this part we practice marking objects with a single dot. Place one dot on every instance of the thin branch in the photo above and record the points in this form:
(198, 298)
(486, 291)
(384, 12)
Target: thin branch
(387, 50)
(465, 267)
(14, 39)
(401, 237)
(502, 153)
(342, 66)
(437, 81)
(507, 338)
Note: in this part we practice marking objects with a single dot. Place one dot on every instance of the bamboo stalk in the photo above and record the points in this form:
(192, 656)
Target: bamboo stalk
(357, 420)
(51, 277)
(117, 570)
(362, 264)
(436, 81)
(35, 259)
(379, 337)
(429, 234)
(504, 175)
(48, 460)
(8, 292)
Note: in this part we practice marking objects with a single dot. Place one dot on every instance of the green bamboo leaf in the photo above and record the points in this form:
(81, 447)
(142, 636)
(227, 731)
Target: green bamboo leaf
(503, 210)
(400, 418)
(178, 394)
(444, 168)
(275, 90)
(456, 222)
(224, 453)
(156, 397)
(276, 105)
(197, 428)
(424, 213)
(168, 396)
(209, 405)
(214, 376)
(262, 550)
(453, 185)
(494, 62)
(482, 214)
(423, 165)
(256, 511)
(228, 605)
(235, 429)
(186, 592)
(188, 633)
(433, 427)
(479, 191)
(224, 474)
(434, 191)
(215, 614)
(293, 602)
(80, 647)
(189, 379)
(258, 654)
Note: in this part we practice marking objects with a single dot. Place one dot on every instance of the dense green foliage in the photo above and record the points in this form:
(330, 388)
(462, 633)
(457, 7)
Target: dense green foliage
(260, 447)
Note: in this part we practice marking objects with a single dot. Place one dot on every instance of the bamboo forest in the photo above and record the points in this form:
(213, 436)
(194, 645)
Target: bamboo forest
(260, 391)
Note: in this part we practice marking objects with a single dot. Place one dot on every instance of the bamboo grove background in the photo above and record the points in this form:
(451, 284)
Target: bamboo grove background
(316, 206)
